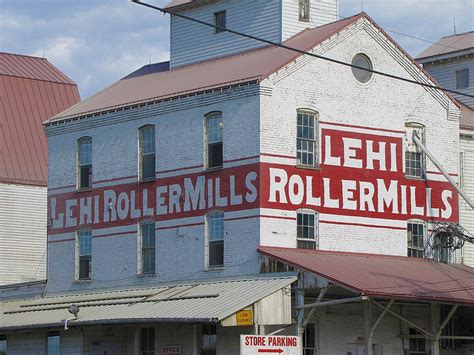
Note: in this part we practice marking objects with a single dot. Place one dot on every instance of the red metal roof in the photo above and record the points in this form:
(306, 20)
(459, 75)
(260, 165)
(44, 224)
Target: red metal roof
(31, 91)
(383, 276)
(240, 68)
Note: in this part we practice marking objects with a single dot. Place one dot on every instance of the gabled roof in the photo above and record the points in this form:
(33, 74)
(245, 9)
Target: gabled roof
(32, 90)
(449, 46)
(383, 276)
(467, 117)
(241, 68)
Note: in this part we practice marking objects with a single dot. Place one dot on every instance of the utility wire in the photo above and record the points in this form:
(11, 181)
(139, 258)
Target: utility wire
(275, 44)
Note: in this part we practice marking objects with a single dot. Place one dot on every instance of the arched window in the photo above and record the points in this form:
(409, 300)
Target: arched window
(215, 239)
(84, 163)
(214, 140)
(146, 153)
(416, 238)
(415, 161)
(307, 226)
(307, 138)
(84, 254)
(147, 257)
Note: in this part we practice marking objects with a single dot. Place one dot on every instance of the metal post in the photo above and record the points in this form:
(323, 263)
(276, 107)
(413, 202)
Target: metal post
(441, 169)
(195, 340)
(434, 327)
(376, 324)
(299, 297)
(319, 299)
(367, 326)
(435, 346)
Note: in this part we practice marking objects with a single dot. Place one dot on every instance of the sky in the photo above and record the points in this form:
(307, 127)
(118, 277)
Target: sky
(97, 42)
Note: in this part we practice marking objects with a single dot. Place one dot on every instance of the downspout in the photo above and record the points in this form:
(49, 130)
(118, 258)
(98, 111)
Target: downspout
(66, 321)
(420, 145)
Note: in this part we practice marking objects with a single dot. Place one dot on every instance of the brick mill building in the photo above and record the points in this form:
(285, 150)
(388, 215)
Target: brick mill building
(247, 189)
(31, 90)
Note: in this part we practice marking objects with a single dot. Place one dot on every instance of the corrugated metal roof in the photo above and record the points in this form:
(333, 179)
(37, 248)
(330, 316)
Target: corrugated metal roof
(385, 276)
(206, 301)
(245, 67)
(31, 90)
(448, 45)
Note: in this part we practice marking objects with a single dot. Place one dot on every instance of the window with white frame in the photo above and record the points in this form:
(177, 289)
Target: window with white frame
(147, 247)
(416, 231)
(214, 140)
(415, 166)
(306, 138)
(215, 239)
(84, 163)
(306, 230)
(84, 254)
(3, 345)
(53, 344)
(462, 79)
(147, 341)
(220, 19)
(147, 152)
(209, 340)
(304, 10)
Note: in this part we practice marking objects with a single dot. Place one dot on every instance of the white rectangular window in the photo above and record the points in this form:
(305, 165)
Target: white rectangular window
(53, 344)
(416, 239)
(462, 79)
(306, 139)
(84, 240)
(147, 152)
(84, 159)
(415, 166)
(209, 340)
(147, 341)
(215, 239)
(3, 345)
(304, 10)
(148, 251)
(220, 20)
(214, 137)
(307, 229)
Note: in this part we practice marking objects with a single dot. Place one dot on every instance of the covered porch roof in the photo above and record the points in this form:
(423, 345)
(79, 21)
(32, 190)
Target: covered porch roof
(383, 276)
(201, 301)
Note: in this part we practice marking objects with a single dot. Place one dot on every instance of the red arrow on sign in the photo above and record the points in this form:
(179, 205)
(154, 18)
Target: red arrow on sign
(279, 351)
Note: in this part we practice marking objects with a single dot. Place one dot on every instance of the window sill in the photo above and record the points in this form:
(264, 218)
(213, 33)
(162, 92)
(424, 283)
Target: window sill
(144, 181)
(84, 189)
(416, 178)
(140, 276)
(215, 268)
(308, 167)
(214, 169)
(83, 281)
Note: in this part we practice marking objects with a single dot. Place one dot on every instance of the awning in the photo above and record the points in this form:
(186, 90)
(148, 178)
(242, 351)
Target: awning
(383, 276)
(199, 302)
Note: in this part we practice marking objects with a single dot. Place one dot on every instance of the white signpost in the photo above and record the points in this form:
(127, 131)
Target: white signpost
(269, 344)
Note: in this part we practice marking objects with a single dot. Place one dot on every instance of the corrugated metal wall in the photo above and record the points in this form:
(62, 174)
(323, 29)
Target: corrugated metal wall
(444, 73)
(321, 13)
(466, 213)
(23, 219)
(191, 42)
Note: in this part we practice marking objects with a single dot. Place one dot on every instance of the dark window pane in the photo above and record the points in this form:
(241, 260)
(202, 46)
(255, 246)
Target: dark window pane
(84, 266)
(215, 158)
(462, 79)
(216, 253)
(86, 176)
(220, 21)
(148, 166)
(147, 341)
(53, 344)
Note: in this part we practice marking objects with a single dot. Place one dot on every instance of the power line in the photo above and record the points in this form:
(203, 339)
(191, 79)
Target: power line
(275, 44)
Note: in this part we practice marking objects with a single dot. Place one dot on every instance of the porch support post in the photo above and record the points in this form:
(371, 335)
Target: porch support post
(367, 325)
(195, 349)
(438, 330)
(136, 341)
(375, 325)
(299, 298)
(319, 299)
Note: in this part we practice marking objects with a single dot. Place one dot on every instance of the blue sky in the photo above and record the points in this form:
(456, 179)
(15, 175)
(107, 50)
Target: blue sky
(97, 42)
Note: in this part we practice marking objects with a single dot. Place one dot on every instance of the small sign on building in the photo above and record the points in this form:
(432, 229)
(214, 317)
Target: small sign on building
(269, 344)
(171, 350)
(244, 317)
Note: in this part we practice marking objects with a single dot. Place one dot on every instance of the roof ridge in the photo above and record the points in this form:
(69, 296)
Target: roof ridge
(458, 34)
